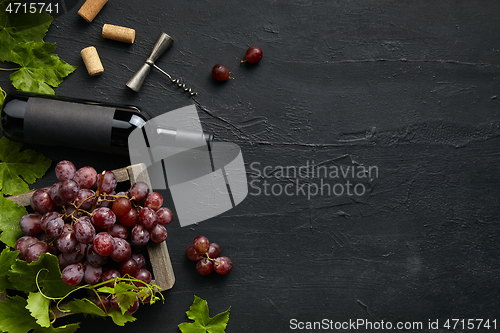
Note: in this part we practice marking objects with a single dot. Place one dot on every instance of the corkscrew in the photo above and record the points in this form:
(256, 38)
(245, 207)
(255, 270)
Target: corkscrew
(162, 44)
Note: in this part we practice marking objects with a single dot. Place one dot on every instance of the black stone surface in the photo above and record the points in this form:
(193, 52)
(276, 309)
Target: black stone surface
(409, 88)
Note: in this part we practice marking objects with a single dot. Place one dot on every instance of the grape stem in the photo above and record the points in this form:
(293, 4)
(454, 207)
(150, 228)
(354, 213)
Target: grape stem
(215, 261)
(98, 191)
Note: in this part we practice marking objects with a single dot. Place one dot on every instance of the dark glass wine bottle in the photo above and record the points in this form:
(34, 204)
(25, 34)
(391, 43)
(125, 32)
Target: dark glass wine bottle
(69, 122)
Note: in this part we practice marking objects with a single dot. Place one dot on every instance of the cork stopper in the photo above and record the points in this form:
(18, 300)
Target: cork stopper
(118, 33)
(92, 61)
(91, 8)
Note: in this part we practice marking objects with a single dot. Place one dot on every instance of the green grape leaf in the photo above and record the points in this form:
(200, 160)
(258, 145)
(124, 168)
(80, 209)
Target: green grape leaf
(23, 276)
(70, 328)
(15, 164)
(40, 69)
(7, 258)
(84, 306)
(202, 322)
(15, 318)
(20, 27)
(10, 214)
(38, 306)
(87, 307)
(119, 318)
(125, 296)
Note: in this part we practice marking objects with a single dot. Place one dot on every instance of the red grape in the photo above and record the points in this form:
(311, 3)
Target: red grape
(121, 251)
(48, 217)
(148, 218)
(41, 202)
(76, 255)
(22, 245)
(103, 217)
(34, 251)
(223, 265)
(54, 228)
(84, 230)
(104, 244)
(86, 177)
(65, 170)
(139, 259)
(139, 191)
(68, 190)
(133, 308)
(130, 219)
(220, 72)
(118, 230)
(154, 201)
(93, 274)
(139, 235)
(102, 302)
(54, 194)
(164, 216)
(204, 266)
(192, 254)
(144, 275)
(214, 250)
(129, 267)
(122, 206)
(94, 258)
(109, 182)
(82, 199)
(67, 241)
(110, 274)
(254, 54)
(201, 244)
(73, 274)
(158, 234)
(30, 224)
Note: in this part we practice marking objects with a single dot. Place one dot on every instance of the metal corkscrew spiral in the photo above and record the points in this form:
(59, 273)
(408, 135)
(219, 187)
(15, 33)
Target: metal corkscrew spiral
(163, 42)
(177, 82)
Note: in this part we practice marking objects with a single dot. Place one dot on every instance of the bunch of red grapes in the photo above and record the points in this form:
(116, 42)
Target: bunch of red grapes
(84, 222)
(208, 257)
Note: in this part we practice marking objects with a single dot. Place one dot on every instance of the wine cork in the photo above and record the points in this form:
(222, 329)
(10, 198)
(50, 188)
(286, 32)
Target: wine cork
(92, 61)
(91, 8)
(118, 33)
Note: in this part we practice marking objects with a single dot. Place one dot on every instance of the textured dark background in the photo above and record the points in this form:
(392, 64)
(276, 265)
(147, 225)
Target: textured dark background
(408, 86)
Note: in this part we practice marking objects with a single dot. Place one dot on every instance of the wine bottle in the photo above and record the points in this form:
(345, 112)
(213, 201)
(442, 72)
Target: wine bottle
(69, 122)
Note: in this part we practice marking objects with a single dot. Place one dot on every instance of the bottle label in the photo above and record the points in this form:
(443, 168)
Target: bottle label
(69, 124)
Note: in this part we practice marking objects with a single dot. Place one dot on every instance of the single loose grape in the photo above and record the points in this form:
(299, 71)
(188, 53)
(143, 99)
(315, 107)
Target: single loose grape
(254, 54)
(220, 72)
